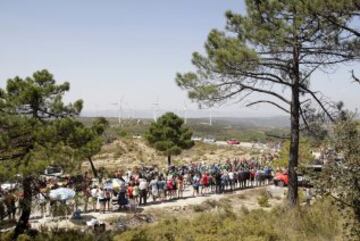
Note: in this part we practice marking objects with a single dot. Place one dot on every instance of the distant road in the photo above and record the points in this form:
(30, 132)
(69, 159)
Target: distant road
(247, 145)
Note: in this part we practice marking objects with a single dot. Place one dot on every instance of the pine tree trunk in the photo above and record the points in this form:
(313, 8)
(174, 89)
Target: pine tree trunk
(93, 167)
(293, 157)
(25, 206)
(295, 132)
(169, 160)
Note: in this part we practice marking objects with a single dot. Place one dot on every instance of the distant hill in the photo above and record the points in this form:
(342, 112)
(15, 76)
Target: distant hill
(223, 128)
(247, 122)
(238, 122)
(196, 117)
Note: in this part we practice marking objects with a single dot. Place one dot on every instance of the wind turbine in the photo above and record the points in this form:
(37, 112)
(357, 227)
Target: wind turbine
(185, 113)
(120, 110)
(155, 109)
(210, 118)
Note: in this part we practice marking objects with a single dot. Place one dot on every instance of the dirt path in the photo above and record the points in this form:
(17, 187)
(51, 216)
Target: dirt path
(250, 202)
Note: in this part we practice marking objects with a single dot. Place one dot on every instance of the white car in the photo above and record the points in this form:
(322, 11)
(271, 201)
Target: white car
(196, 138)
(209, 140)
(54, 171)
(8, 186)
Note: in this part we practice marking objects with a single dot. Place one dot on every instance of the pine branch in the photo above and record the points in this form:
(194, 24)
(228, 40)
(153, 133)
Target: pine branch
(312, 93)
(268, 102)
(356, 79)
(343, 26)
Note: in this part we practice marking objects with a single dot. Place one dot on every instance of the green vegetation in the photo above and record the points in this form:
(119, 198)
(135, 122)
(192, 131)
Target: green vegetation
(58, 235)
(263, 200)
(169, 136)
(89, 140)
(222, 129)
(341, 180)
(273, 49)
(37, 129)
(318, 223)
(305, 155)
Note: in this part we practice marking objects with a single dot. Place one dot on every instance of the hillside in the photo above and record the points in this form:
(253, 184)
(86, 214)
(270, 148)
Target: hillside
(243, 129)
(129, 152)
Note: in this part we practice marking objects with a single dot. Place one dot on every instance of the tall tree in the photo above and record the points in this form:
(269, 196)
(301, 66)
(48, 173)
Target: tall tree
(272, 51)
(89, 140)
(305, 154)
(35, 127)
(169, 135)
(339, 14)
(341, 180)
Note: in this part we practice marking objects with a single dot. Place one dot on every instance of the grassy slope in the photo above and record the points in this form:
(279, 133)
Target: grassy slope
(321, 222)
(123, 151)
(128, 152)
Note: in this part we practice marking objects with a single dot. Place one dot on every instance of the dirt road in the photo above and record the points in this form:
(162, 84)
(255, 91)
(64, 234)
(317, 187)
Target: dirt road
(250, 202)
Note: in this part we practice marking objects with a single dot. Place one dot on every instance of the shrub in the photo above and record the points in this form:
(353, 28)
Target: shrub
(244, 210)
(199, 208)
(320, 222)
(241, 196)
(59, 235)
(263, 200)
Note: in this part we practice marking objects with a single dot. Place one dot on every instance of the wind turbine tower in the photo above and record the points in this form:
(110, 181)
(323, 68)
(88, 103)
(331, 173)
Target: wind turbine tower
(120, 110)
(155, 109)
(185, 113)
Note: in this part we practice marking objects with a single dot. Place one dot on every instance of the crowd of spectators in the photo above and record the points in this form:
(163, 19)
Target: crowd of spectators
(128, 189)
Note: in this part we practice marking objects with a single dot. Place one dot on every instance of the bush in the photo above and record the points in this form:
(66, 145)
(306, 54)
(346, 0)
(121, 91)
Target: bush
(241, 196)
(122, 133)
(199, 208)
(321, 222)
(59, 235)
(263, 200)
(244, 210)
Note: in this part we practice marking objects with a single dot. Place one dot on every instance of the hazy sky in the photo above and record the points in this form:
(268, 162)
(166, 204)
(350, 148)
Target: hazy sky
(128, 49)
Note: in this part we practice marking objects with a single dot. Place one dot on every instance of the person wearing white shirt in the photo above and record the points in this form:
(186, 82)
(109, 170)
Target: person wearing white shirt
(94, 197)
(143, 186)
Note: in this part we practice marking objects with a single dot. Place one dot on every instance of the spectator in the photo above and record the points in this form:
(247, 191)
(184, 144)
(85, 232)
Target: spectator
(143, 187)
(154, 188)
(102, 199)
(204, 183)
(94, 197)
(10, 201)
(107, 196)
(196, 184)
(180, 186)
(162, 188)
(122, 201)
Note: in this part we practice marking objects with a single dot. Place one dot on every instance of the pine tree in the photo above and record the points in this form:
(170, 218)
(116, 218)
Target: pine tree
(37, 129)
(169, 135)
(272, 51)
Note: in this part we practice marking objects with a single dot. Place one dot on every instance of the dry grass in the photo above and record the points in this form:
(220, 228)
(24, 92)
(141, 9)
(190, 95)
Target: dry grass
(129, 152)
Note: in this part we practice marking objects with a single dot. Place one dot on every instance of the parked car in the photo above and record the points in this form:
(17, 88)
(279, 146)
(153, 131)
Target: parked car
(233, 142)
(209, 140)
(304, 180)
(54, 171)
(281, 179)
(8, 186)
(196, 138)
